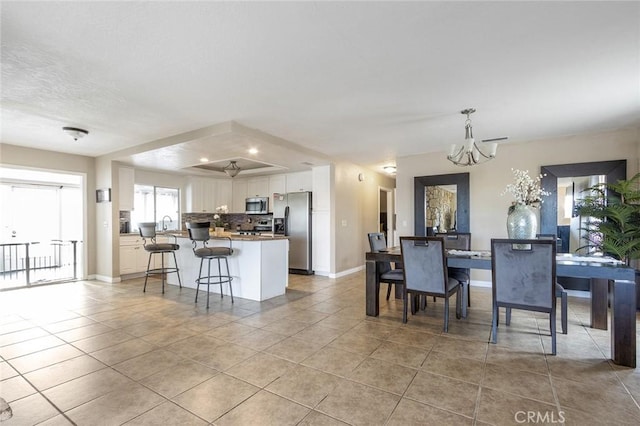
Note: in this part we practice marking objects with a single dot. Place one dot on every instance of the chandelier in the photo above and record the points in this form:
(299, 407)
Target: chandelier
(470, 153)
(231, 169)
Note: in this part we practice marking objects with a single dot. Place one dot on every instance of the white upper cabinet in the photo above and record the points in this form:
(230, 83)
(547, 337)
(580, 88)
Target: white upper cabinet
(239, 195)
(126, 176)
(300, 181)
(278, 185)
(258, 187)
(204, 195)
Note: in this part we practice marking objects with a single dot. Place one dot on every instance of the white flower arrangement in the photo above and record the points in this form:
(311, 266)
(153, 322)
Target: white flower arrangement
(217, 219)
(526, 190)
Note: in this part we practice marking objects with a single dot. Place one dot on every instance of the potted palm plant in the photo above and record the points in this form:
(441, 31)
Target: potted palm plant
(613, 209)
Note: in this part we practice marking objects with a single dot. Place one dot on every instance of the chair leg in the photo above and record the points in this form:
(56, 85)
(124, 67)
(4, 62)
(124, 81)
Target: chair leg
(508, 317)
(163, 274)
(494, 324)
(459, 298)
(465, 297)
(423, 303)
(404, 306)
(553, 332)
(208, 281)
(198, 280)
(469, 293)
(446, 314)
(177, 270)
(229, 276)
(146, 275)
(563, 305)
(388, 290)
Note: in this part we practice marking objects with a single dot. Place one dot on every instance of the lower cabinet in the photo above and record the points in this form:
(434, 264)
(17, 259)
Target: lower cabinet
(133, 256)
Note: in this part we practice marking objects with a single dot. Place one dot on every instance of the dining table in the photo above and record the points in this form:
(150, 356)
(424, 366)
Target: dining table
(611, 283)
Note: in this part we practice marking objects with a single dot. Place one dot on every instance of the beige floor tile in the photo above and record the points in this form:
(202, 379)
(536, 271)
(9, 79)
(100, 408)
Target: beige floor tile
(69, 324)
(383, 375)
(166, 413)
(587, 372)
(285, 327)
(410, 412)
(102, 340)
(501, 408)
(148, 364)
(523, 383)
(294, 349)
(116, 407)
(29, 346)
(258, 340)
(319, 334)
(334, 361)
(84, 332)
(513, 359)
(15, 388)
(6, 371)
(194, 346)
(44, 358)
(461, 347)
(59, 420)
(358, 404)
(179, 378)
(22, 336)
(266, 409)
(224, 356)
(304, 385)
(230, 330)
(444, 392)
(466, 369)
(412, 337)
(64, 371)
(123, 351)
(315, 418)
(216, 396)
(356, 342)
(31, 410)
(400, 354)
(83, 389)
(261, 369)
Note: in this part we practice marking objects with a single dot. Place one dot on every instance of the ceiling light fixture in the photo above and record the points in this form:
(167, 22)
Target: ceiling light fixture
(253, 150)
(470, 153)
(204, 160)
(75, 133)
(231, 169)
(390, 169)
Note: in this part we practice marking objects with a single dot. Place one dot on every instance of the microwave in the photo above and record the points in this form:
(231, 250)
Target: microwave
(257, 205)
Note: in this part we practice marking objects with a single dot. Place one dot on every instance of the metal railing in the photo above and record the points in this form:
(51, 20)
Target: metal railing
(24, 264)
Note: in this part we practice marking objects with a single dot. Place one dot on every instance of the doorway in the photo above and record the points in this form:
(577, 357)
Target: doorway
(42, 227)
(386, 215)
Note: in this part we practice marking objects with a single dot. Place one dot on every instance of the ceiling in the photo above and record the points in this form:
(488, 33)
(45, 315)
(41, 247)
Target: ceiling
(161, 84)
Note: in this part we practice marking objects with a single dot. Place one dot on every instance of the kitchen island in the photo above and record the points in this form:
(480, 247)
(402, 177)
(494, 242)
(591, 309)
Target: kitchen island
(259, 265)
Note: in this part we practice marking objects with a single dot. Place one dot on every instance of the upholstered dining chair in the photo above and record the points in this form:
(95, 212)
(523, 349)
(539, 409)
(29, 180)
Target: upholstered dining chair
(524, 277)
(560, 291)
(386, 274)
(459, 241)
(425, 273)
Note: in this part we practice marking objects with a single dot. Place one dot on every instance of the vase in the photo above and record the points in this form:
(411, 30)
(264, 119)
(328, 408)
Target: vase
(219, 231)
(522, 222)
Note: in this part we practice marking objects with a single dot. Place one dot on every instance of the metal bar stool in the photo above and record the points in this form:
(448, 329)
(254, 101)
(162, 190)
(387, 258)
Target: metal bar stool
(199, 235)
(148, 232)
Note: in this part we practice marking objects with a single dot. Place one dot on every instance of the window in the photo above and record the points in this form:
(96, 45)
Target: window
(156, 204)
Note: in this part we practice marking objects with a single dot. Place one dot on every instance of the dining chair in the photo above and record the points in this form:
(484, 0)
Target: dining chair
(459, 241)
(523, 277)
(425, 273)
(386, 274)
(560, 291)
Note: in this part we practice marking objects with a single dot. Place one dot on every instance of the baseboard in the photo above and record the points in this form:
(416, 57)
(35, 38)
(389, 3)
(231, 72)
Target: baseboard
(347, 272)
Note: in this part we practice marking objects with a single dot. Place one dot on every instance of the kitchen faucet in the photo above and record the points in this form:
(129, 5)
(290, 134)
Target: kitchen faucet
(164, 227)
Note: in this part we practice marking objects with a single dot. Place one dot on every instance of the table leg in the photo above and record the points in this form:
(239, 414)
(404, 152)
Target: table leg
(372, 289)
(623, 323)
(599, 303)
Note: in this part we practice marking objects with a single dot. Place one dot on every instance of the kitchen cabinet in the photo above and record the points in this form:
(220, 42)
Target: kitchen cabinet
(239, 196)
(133, 256)
(301, 181)
(224, 193)
(205, 195)
(277, 185)
(258, 187)
(126, 179)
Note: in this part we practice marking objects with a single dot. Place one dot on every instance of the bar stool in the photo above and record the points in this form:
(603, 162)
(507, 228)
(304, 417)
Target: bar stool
(148, 232)
(199, 235)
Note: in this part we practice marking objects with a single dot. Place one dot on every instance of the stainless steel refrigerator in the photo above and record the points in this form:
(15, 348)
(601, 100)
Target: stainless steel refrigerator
(292, 217)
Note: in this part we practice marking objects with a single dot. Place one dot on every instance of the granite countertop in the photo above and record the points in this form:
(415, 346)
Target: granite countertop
(234, 236)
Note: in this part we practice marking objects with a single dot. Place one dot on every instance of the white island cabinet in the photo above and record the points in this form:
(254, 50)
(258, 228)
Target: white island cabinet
(259, 266)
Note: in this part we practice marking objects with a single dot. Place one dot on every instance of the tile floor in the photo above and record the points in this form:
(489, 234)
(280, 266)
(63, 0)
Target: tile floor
(91, 353)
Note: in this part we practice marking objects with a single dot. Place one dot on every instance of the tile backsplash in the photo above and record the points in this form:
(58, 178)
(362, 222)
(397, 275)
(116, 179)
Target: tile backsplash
(232, 221)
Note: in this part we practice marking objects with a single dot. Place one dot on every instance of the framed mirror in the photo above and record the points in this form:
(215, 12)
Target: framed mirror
(441, 201)
(565, 183)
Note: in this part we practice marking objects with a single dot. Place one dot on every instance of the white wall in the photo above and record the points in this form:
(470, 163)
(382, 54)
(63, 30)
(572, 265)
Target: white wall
(488, 209)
